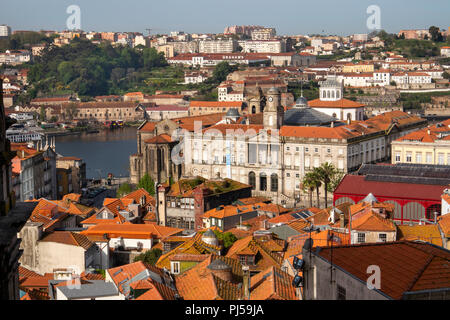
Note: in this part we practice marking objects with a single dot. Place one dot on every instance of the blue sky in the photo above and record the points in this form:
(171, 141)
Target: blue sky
(339, 17)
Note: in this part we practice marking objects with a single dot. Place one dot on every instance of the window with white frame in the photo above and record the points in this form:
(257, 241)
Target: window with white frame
(419, 157)
(382, 237)
(408, 157)
(361, 237)
(175, 267)
(397, 157)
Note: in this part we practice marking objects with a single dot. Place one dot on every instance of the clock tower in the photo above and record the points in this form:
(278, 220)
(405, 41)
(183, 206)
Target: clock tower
(273, 112)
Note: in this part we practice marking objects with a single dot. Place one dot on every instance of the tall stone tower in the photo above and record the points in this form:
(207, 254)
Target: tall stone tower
(273, 112)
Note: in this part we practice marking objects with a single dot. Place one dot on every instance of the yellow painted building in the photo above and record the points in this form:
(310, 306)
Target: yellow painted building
(427, 146)
(358, 67)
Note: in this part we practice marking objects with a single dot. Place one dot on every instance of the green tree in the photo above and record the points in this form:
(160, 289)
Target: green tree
(149, 256)
(326, 173)
(227, 237)
(123, 190)
(147, 183)
(221, 71)
(311, 181)
(436, 35)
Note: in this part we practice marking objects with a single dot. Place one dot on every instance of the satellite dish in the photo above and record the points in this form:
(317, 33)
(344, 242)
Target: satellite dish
(308, 244)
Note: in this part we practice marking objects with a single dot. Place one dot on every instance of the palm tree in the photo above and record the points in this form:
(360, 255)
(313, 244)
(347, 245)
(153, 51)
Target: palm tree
(312, 181)
(326, 173)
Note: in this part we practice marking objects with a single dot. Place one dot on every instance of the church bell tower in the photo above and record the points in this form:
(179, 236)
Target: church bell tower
(273, 112)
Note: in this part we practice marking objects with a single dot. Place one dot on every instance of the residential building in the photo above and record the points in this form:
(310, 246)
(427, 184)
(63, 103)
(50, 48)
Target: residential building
(37, 171)
(445, 51)
(183, 204)
(263, 33)
(5, 31)
(77, 170)
(406, 272)
(263, 46)
(141, 281)
(163, 111)
(197, 108)
(217, 46)
(119, 243)
(15, 57)
(429, 145)
(415, 34)
(195, 77)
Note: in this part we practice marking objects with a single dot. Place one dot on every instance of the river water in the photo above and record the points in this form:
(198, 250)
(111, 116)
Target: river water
(105, 152)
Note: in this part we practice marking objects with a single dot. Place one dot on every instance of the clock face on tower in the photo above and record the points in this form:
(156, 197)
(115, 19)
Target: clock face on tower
(270, 99)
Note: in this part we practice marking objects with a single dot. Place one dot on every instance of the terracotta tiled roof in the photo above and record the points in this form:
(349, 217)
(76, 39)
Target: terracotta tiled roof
(266, 252)
(132, 231)
(342, 103)
(159, 139)
(75, 197)
(272, 284)
(150, 277)
(199, 282)
(444, 224)
(406, 266)
(281, 218)
(192, 245)
(255, 224)
(216, 104)
(428, 233)
(371, 221)
(69, 238)
(252, 200)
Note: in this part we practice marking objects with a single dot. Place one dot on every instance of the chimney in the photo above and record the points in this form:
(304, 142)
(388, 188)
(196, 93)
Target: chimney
(429, 131)
(342, 220)
(435, 217)
(246, 282)
(332, 124)
(264, 225)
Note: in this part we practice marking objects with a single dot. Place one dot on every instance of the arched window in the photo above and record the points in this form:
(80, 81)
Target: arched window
(349, 116)
(324, 94)
(274, 182)
(338, 94)
(328, 93)
(429, 214)
(263, 182)
(253, 109)
(252, 180)
(332, 94)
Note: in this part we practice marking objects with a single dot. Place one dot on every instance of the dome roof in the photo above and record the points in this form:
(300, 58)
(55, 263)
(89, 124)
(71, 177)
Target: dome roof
(233, 112)
(273, 90)
(218, 265)
(301, 102)
(306, 116)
